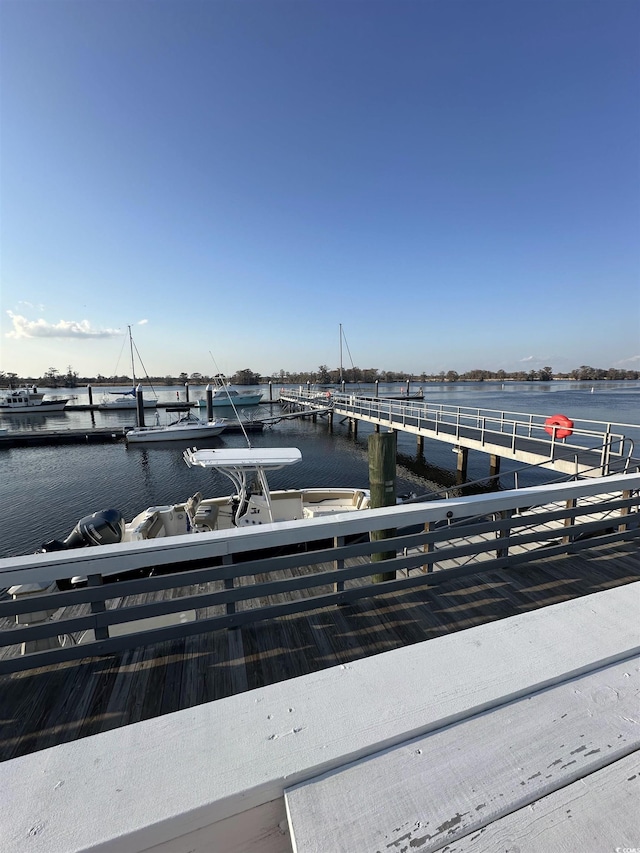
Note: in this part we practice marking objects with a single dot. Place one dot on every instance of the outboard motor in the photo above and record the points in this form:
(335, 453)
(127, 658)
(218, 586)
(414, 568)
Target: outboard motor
(101, 528)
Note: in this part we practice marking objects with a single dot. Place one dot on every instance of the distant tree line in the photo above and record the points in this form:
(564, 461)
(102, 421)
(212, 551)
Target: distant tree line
(53, 378)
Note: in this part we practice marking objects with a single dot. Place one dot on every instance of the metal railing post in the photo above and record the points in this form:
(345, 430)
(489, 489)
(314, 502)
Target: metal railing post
(503, 534)
(102, 632)
(570, 519)
(227, 560)
(428, 547)
(338, 565)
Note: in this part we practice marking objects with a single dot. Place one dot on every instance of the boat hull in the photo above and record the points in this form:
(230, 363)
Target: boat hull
(33, 408)
(126, 404)
(238, 400)
(188, 433)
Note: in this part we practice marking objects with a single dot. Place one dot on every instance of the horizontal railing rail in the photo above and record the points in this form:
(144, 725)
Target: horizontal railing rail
(489, 429)
(516, 475)
(247, 577)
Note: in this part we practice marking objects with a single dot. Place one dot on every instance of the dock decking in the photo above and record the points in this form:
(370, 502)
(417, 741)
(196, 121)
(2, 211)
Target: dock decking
(53, 705)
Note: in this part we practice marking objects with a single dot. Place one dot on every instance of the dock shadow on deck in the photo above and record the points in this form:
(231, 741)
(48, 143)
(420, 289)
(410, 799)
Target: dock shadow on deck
(53, 705)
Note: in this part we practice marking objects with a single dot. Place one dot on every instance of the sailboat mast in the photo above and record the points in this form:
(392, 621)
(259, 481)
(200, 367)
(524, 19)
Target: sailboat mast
(133, 367)
(340, 353)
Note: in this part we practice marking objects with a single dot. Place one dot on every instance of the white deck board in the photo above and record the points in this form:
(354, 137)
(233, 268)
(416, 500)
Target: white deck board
(430, 791)
(598, 813)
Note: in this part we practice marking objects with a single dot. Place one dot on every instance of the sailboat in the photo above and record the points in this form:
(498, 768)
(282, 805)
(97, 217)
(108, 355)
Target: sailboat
(126, 399)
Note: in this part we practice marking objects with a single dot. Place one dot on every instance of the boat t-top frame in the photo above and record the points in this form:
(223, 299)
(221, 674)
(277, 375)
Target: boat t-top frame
(239, 463)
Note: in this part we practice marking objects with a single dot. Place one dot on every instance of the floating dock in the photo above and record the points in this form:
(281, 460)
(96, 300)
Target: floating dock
(34, 438)
(93, 435)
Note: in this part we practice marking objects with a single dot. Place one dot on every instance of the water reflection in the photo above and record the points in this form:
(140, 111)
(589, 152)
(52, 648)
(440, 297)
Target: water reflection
(34, 421)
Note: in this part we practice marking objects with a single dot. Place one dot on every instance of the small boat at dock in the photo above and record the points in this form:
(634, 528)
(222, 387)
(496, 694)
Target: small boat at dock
(124, 400)
(227, 396)
(406, 395)
(29, 400)
(251, 503)
(187, 427)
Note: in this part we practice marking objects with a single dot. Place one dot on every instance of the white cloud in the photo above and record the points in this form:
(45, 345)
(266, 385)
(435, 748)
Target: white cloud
(23, 328)
(633, 360)
(142, 322)
(537, 359)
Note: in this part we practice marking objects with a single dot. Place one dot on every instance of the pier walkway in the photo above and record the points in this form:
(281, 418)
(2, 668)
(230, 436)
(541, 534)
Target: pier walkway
(594, 448)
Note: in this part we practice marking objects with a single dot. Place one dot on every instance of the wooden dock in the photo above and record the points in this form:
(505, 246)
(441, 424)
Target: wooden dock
(60, 703)
(43, 437)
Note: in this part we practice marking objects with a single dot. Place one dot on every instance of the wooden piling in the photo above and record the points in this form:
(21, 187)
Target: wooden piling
(420, 445)
(209, 394)
(139, 406)
(90, 393)
(494, 467)
(382, 448)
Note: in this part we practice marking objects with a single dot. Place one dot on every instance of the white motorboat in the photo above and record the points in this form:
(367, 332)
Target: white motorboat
(230, 397)
(187, 427)
(251, 503)
(29, 399)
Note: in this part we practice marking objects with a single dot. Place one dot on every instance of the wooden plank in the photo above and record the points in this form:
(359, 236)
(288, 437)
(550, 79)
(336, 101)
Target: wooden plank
(597, 813)
(430, 791)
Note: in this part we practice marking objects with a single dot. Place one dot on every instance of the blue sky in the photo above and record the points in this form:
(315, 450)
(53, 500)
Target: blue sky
(457, 183)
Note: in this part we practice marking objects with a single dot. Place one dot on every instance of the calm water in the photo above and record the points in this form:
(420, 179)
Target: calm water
(45, 490)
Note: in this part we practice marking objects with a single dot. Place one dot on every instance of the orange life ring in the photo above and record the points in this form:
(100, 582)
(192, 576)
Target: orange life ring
(560, 425)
